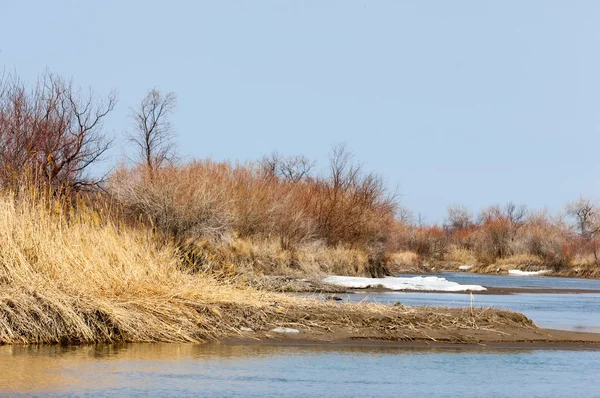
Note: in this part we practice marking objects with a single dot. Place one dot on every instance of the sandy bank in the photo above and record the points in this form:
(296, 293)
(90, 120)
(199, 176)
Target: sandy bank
(535, 339)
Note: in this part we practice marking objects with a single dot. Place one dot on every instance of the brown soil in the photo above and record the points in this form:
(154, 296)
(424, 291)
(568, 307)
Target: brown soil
(405, 326)
(340, 322)
(555, 340)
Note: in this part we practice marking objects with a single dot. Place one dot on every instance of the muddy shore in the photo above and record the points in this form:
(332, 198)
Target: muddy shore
(536, 339)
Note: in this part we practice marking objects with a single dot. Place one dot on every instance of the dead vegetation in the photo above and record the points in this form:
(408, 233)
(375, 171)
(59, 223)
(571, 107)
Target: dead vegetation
(74, 275)
(509, 237)
(331, 321)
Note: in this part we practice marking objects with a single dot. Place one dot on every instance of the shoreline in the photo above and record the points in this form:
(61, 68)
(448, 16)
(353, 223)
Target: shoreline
(568, 274)
(323, 289)
(538, 339)
(490, 290)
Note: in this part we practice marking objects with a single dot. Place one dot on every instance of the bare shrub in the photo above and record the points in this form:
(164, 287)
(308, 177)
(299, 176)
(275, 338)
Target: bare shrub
(200, 200)
(350, 206)
(291, 220)
(182, 202)
(292, 168)
(53, 132)
(459, 218)
(493, 240)
(546, 238)
(498, 227)
(431, 242)
(586, 217)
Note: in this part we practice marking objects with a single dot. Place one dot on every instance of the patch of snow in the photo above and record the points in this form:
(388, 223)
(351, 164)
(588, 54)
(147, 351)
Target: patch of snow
(526, 273)
(245, 329)
(422, 283)
(465, 267)
(285, 330)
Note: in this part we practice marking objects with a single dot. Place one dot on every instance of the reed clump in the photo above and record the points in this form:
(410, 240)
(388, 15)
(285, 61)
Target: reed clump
(245, 215)
(75, 275)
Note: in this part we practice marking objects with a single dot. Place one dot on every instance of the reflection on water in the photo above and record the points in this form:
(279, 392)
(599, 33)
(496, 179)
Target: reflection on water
(317, 371)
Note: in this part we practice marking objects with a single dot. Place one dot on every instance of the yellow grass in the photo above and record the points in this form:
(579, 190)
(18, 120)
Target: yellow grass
(265, 256)
(67, 277)
(460, 256)
(400, 261)
(72, 277)
(519, 261)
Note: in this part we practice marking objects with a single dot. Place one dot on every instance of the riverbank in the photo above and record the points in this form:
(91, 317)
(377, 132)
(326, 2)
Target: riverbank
(286, 284)
(416, 326)
(543, 339)
(293, 320)
(489, 291)
(78, 278)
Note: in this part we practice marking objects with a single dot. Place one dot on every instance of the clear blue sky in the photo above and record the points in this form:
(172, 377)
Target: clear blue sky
(473, 102)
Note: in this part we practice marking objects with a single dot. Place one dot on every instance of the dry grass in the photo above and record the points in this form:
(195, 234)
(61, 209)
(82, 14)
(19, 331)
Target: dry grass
(401, 261)
(70, 277)
(459, 256)
(582, 266)
(520, 261)
(523, 262)
(245, 256)
(397, 322)
(77, 277)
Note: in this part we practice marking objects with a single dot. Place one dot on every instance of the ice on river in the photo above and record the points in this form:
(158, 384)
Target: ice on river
(526, 273)
(422, 283)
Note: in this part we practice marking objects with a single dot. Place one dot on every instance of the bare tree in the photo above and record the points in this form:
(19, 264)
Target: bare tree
(154, 135)
(514, 214)
(344, 171)
(292, 168)
(586, 217)
(353, 206)
(459, 218)
(404, 215)
(53, 131)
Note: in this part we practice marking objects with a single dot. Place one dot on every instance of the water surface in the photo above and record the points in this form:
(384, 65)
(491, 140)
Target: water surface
(259, 371)
(531, 282)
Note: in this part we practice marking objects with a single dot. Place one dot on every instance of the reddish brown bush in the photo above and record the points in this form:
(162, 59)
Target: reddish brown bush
(208, 198)
(429, 242)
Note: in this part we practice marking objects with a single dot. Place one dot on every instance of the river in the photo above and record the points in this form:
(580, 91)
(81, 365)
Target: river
(163, 370)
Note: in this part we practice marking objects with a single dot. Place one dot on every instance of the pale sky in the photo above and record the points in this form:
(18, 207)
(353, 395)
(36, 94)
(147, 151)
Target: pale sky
(472, 102)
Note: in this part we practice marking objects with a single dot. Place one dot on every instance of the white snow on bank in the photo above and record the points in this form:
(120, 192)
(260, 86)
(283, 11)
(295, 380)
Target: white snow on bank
(464, 267)
(285, 330)
(422, 283)
(526, 273)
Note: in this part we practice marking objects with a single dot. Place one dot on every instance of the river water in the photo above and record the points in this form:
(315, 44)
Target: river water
(531, 282)
(254, 370)
(164, 370)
